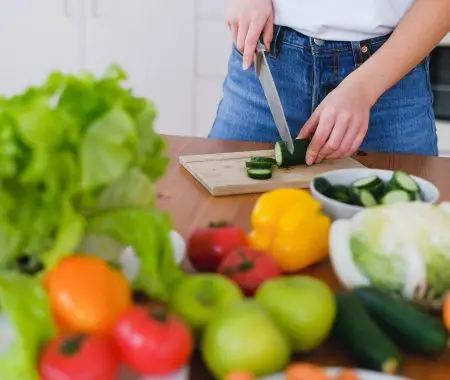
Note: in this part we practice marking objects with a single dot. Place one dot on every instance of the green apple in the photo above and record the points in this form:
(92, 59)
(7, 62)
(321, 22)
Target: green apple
(303, 306)
(199, 297)
(244, 337)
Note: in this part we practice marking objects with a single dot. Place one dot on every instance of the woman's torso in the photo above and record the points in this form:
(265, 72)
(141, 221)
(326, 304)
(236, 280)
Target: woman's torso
(341, 20)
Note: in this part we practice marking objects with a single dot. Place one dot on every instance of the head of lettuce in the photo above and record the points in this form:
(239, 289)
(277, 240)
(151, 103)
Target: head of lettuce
(402, 248)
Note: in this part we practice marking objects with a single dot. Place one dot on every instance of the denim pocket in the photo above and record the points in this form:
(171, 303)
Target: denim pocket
(236, 50)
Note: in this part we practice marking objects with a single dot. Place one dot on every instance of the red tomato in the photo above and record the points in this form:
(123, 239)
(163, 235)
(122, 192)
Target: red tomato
(79, 357)
(153, 341)
(249, 268)
(206, 247)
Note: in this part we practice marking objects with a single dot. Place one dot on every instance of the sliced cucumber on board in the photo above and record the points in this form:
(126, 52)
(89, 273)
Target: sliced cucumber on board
(285, 159)
(249, 164)
(260, 174)
(410, 328)
(358, 331)
(267, 160)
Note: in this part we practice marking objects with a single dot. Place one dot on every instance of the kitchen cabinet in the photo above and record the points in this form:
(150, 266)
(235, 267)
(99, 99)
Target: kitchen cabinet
(37, 37)
(153, 41)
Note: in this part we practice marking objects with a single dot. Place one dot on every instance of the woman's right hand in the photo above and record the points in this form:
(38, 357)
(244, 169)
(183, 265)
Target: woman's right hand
(247, 20)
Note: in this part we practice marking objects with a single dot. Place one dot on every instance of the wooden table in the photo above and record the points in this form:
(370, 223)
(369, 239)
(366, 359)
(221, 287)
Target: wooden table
(191, 206)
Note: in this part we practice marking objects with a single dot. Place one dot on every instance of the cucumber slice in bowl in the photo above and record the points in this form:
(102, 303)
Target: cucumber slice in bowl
(395, 196)
(403, 181)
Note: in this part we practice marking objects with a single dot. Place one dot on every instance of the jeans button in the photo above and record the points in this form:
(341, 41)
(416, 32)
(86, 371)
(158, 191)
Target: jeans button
(318, 41)
(364, 49)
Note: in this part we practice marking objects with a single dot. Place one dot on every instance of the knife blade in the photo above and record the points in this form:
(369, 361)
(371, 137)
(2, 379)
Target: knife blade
(273, 99)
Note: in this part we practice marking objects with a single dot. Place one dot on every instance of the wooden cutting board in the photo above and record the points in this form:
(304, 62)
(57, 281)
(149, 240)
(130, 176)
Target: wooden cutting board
(225, 173)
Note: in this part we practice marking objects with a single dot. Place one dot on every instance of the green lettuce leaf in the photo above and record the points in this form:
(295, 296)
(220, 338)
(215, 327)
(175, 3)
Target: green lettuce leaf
(26, 324)
(147, 231)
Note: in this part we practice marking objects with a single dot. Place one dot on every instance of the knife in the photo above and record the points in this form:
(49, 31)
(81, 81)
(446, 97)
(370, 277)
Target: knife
(265, 77)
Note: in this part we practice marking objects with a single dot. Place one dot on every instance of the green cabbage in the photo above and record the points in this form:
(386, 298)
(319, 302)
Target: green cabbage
(402, 248)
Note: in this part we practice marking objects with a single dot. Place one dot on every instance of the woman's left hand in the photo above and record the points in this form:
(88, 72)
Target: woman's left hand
(339, 124)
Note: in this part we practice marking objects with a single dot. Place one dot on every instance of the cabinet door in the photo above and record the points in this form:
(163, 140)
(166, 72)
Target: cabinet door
(37, 37)
(153, 41)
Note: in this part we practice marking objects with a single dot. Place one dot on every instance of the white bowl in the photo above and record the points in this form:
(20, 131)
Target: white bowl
(339, 210)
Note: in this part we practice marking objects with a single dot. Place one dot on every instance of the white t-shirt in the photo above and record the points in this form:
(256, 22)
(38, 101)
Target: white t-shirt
(341, 20)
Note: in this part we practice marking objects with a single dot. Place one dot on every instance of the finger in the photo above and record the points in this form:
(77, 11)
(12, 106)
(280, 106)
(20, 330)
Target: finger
(323, 131)
(359, 138)
(242, 34)
(337, 135)
(310, 126)
(347, 142)
(254, 32)
(233, 25)
(268, 33)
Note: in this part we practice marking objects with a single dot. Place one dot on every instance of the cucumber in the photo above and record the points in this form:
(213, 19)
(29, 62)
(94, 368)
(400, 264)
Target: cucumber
(252, 164)
(355, 329)
(363, 198)
(259, 174)
(341, 193)
(395, 196)
(372, 184)
(410, 328)
(267, 160)
(285, 159)
(403, 181)
(323, 186)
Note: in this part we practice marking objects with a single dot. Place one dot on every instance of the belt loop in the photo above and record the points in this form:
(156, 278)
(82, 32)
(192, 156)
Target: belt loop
(356, 48)
(275, 45)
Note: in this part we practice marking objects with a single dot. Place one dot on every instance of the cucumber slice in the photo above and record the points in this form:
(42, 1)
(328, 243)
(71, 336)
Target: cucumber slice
(403, 181)
(323, 186)
(341, 193)
(267, 160)
(365, 198)
(285, 159)
(259, 174)
(249, 164)
(373, 184)
(395, 196)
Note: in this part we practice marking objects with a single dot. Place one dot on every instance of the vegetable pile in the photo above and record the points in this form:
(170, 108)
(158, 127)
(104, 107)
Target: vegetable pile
(78, 162)
(372, 190)
(78, 159)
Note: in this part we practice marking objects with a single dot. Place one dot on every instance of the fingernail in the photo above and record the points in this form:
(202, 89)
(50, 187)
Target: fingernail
(245, 65)
(309, 159)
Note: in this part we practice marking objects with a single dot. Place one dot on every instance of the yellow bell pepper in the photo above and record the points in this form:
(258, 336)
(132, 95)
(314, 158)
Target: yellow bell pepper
(288, 225)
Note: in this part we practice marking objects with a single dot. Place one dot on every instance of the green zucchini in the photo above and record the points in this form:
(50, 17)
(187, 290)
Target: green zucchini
(403, 181)
(285, 159)
(259, 174)
(411, 328)
(323, 186)
(395, 196)
(356, 330)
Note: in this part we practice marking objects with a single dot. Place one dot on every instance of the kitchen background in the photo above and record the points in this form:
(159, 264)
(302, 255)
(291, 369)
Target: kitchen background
(175, 52)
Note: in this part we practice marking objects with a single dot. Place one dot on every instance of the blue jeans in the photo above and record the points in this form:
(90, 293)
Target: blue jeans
(305, 70)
